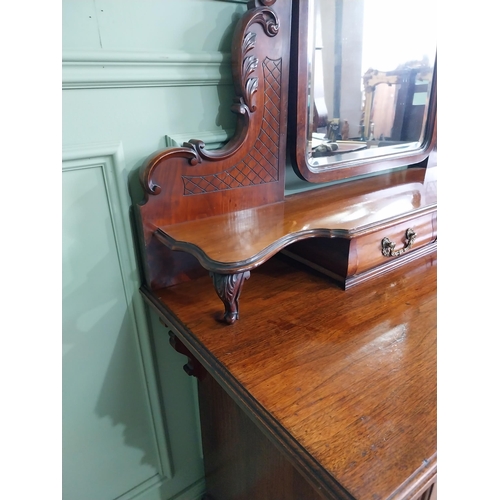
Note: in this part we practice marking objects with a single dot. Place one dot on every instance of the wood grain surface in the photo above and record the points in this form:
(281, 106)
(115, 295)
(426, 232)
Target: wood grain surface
(192, 182)
(342, 382)
(244, 239)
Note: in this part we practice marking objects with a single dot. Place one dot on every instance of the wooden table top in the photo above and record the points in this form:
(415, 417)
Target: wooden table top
(343, 381)
(352, 208)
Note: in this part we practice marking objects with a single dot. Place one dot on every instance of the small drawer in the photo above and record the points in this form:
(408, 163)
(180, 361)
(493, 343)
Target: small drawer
(367, 250)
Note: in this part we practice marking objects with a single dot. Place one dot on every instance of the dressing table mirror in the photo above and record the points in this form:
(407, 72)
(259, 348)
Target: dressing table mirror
(363, 87)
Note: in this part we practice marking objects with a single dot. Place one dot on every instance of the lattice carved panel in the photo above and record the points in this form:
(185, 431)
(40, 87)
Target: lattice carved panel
(260, 165)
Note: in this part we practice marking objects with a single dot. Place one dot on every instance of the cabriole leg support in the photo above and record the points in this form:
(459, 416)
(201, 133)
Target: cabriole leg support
(228, 288)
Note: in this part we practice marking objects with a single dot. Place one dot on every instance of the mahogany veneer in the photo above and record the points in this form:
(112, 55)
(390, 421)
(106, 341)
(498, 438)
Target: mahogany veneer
(190, 183)
(226, 211)
(241, 240)
(341, 383)
(316, 392)
(359, 214)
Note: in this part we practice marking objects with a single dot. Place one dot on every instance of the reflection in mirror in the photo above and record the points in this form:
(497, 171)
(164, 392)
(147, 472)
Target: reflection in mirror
(371, 65)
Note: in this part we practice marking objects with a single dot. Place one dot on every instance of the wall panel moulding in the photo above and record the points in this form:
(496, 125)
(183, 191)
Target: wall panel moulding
(115, 69)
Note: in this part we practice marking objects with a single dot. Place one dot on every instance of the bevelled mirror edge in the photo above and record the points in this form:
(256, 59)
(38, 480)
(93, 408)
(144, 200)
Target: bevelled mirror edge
(298, 119)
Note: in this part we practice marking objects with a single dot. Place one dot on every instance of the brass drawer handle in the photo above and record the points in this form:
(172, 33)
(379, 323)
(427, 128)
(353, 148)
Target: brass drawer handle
(388, 246)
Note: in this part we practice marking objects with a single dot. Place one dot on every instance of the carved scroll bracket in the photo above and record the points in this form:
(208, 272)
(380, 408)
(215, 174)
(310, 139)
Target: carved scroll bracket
(193, 367)
(228, 288)
(149, 166)
(245, 64)
(189, 183)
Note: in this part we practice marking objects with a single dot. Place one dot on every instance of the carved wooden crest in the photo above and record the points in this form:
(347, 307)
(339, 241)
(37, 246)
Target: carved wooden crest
(189, 182)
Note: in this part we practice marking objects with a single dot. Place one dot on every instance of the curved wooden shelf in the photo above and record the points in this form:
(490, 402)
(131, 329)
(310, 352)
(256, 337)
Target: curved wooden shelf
(230, 245)
(242, 240)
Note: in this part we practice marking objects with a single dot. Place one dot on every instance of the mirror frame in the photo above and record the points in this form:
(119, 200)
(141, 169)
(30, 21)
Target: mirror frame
(298, 119)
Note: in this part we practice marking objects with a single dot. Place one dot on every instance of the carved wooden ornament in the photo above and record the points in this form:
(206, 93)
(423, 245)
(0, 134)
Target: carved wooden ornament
(189, 183)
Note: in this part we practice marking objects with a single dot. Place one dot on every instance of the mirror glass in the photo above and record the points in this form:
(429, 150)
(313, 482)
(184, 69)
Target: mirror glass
(370, 70)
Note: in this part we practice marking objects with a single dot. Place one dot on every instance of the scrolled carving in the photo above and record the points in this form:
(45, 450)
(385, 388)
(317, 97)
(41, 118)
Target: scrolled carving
(246, 84)
(228, 288)
(268, 19)
(260, 166)
(248, 42)
(149, 166)
(239, 107)
(197, 145)
(253, 158)
(250, 89)
(193, 367)
(250, 64)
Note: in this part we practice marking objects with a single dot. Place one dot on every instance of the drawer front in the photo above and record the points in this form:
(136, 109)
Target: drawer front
(368, 254)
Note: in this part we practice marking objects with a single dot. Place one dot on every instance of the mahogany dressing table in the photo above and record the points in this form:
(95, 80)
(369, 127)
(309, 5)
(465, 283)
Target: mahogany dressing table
(322, 383)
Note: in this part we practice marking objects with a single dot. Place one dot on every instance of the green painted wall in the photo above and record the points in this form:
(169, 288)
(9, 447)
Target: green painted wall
(133, 72)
